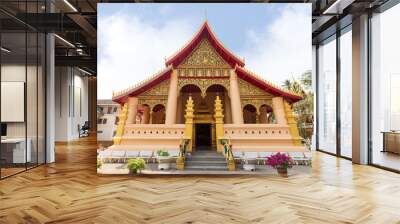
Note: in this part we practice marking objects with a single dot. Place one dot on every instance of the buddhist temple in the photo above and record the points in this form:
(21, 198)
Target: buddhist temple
(205, 94)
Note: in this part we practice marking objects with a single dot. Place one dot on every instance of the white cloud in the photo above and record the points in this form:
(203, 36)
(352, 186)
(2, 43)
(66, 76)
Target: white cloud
(283, 48)
(132, 49)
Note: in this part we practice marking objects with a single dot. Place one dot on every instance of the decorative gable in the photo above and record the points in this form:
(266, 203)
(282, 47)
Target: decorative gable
(158, 90)
(204, 56)
(249, 90)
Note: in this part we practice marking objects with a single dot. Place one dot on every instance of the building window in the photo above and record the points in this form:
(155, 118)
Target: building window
(327, 96)
(109, 110)
(346, 94)
(100, 132)
(115, 109)
(385, 89)
(104, 120)
(99, 121)
(114, 133)
(116, 120)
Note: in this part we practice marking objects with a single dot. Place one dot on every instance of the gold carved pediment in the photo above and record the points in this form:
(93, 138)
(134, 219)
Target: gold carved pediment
(159, 90)
(247, 89)
(204, 55)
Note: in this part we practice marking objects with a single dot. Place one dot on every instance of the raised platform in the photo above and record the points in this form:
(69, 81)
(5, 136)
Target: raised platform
(119, 169)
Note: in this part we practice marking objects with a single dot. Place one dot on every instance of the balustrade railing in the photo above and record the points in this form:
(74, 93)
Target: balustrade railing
(183, 146)
(265, 131)
(154, 130)
(225, 142)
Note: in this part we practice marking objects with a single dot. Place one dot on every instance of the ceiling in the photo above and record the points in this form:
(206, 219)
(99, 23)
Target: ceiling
(75, 21)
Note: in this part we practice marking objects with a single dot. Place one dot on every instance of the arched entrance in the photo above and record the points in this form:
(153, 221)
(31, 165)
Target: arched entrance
(267, 114)
(204, 122)
(158, 114)
(143, 115)
(249, 114)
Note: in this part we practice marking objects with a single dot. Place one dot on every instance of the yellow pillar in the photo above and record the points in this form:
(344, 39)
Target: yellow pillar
(219, 123)
(121, 125)
(291, 120)
(189, 121)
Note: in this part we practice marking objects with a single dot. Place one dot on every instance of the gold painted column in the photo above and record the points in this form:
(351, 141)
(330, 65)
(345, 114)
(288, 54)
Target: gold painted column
(279, 110)
(189, 122)
(219, 123)
(291, 119)
(172, 98)
(132, 110)
(121, 124)
(237, 114)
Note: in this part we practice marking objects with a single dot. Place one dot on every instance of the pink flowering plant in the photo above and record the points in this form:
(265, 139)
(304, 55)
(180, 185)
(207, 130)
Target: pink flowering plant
(280, 160)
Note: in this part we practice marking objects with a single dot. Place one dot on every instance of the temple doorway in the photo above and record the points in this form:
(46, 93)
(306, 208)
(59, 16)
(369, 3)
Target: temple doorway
(203, 136)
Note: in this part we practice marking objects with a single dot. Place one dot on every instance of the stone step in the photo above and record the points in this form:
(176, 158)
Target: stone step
(192, 167)
(205, 158)
(206, 163)
(207, 153)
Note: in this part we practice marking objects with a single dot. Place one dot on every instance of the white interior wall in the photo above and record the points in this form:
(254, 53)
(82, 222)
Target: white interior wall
(12, 73)
(71, 103)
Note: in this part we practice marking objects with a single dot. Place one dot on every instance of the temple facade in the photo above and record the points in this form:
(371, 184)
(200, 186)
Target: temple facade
(205, 94)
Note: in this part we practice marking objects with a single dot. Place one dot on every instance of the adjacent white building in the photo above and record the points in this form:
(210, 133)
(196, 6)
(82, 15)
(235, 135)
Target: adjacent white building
(107, 118)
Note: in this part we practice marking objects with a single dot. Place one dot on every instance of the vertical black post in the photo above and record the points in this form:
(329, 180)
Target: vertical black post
(316, 117)
(338, 73)
(26, 86)
(369, 89)
(1, 164)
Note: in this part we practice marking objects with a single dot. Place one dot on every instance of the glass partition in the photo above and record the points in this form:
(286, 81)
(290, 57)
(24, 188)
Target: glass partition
(22, 67)
(13, 94)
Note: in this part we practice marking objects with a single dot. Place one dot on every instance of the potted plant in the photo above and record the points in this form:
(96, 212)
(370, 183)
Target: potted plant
(163, 159)
(136, 165)
(281, 162)
(99, 163)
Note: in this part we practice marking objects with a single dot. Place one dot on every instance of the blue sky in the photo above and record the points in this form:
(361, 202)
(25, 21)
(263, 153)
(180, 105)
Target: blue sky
(134, 39)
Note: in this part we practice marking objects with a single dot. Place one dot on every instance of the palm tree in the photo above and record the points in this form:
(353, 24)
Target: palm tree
(304, 108)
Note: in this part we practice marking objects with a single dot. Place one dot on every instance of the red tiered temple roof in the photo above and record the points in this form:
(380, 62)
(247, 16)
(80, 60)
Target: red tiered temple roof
(236, 63)
(122, 96)
(266, 86)
(204, 32)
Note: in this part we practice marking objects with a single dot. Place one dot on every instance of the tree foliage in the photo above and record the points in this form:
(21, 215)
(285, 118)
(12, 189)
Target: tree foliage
(304, 109)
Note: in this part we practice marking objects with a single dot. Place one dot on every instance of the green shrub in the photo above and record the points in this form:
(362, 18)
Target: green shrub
(135, 165)
(162, 153)
(99, 163)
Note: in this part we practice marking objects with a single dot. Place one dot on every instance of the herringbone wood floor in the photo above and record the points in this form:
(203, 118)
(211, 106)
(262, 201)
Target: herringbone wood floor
(70, 191)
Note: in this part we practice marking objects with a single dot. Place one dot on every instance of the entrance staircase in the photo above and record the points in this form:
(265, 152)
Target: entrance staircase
(208, 160)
